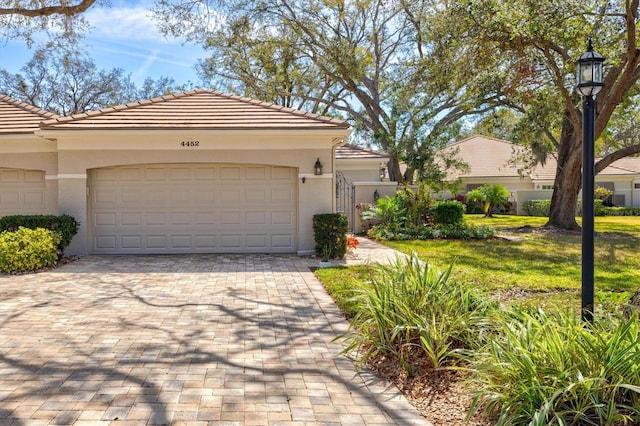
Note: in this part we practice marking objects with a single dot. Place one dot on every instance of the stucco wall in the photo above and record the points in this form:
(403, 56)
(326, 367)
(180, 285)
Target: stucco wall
(81, 152)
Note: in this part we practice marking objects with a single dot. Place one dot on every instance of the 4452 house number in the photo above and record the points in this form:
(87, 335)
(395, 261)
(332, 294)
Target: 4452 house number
(190, 144)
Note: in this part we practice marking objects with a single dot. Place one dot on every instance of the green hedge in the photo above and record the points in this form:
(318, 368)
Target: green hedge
(537, 207)
(28, 249)
(542, 208)
(447, 212)
(621, 211)
(330, 233)
(465, 231)
(65, 225)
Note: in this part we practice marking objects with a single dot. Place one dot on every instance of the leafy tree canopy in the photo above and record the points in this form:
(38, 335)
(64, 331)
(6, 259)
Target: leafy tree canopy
(23, 18)
(379, 63)
(67, 81)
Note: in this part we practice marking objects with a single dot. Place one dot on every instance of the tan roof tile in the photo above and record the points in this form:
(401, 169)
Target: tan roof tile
(490, 157)
(349, 152)
(20, 117)
(486, 157)
(198, 109)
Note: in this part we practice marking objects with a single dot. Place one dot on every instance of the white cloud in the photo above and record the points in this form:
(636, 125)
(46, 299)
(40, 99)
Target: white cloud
(130, 23)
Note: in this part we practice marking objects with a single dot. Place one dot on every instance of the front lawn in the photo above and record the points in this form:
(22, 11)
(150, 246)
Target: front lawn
(442, 344)
(530, 265)
(529, 262)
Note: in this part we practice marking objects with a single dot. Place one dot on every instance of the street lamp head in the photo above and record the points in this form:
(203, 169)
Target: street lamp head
(589, 73)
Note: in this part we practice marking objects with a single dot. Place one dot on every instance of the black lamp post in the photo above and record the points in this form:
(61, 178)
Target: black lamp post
(589, 76)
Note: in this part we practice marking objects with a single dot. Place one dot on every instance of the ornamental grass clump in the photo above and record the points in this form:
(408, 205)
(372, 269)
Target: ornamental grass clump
(412, 307)
(552, 369)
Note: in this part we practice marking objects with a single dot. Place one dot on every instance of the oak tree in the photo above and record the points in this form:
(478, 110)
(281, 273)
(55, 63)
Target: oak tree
(536, 44)
(63, 19)
(375, 62)
(67, 81)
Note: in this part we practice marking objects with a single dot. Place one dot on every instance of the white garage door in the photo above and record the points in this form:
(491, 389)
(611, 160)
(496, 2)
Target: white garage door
(22, 192)
(193, 208)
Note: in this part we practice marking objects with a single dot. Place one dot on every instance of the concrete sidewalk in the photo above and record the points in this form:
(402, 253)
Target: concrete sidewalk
(185, 339)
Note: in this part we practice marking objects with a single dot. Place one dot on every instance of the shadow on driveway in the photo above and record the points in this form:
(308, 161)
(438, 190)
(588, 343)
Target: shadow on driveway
(197, 339)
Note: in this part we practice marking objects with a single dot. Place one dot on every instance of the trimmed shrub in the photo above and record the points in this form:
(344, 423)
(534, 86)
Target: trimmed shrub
(537, 207)
(65, 225)
(621, 211)
(463, 231)
(598, 208)
(330, 233)
(447, 212)
(28, 249)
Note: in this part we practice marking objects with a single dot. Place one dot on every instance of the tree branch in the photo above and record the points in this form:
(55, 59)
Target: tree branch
(615, 156)
(49, 10)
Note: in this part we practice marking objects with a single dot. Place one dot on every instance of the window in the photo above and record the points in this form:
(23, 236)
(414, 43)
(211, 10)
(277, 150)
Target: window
(547, 186)
(472, 186)
(636, 185)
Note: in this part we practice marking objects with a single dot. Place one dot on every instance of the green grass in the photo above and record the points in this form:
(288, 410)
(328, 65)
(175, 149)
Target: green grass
(341, 283)
(526, 366)
(532, 267)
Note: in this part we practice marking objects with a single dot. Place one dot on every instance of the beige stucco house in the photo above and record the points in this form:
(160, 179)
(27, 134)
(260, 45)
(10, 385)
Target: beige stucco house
(197, 172)
(491, 161)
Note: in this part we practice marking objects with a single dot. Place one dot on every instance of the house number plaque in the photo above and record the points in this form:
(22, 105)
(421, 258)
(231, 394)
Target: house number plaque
(190, 144)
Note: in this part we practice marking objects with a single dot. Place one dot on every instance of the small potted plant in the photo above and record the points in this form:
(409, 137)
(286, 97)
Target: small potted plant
(325, 260)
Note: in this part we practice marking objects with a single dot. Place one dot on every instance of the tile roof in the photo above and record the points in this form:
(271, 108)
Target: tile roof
(486, 157)
(20, 117)
(490, 157)
(197, 109)
(351, 152)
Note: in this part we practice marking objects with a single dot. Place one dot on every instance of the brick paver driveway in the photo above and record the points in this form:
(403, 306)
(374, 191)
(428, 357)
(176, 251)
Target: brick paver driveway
(193, 339)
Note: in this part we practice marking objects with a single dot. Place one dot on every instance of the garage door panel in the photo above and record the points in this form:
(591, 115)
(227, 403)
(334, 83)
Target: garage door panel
(22, 192)
(230, 195)
(282, 218)
(231, 218)
(106, 242)
(256, 218)
(257, 172)
(282, 240)
(106, 219)
(258, 195)
(208, 242)
(131, 174)
(230, 173)
(206, 218)
(194, 208)
(131, 219)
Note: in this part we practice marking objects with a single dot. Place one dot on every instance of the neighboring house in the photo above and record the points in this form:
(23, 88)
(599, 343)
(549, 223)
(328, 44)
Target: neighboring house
(195, 172)
(491, 161)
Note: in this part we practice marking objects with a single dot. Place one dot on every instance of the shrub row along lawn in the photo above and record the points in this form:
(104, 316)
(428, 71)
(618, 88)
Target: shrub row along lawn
(528, 366)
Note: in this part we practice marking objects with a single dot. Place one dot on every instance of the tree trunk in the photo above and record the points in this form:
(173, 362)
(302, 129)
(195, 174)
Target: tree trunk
(568, 179)
(393, 167)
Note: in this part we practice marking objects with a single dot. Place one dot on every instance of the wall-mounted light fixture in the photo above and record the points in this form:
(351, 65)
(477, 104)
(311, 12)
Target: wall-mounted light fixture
(317, 168)
(376, 195)
(304, 179)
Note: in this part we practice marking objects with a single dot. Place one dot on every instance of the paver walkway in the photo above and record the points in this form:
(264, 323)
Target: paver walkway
(189, 339)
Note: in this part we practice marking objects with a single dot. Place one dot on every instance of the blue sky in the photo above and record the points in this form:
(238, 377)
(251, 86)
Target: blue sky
(124, 36)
